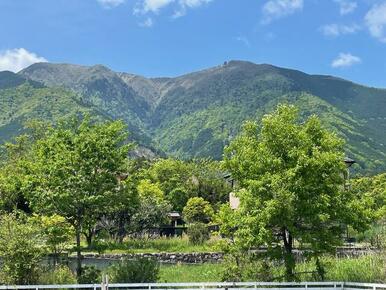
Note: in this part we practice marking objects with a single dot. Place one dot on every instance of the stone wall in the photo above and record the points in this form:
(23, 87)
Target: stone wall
(173, 258)
(208, 257)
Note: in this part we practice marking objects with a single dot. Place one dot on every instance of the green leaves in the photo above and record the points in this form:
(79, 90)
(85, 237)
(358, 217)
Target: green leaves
(291, 176)
(198, 210)
(22, 246)
(76, 167)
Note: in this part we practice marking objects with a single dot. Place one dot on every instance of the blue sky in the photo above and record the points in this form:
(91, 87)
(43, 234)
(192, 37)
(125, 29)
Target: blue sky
(345, 38)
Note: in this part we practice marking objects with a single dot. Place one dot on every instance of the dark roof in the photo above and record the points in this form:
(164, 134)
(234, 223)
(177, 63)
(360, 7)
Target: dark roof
(349, 161)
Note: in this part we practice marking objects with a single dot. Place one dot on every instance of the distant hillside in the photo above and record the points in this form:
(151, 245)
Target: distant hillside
(195, 115)
(22, 100)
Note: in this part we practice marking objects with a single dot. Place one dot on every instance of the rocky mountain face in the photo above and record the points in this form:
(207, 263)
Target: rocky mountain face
(197, 114)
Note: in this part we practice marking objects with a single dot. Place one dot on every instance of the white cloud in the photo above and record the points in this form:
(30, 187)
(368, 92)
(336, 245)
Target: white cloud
(18, 58)
(375, 20)
(193, 3)
(345, 60)
(275, 9)
(185, 4)
(335, 30)
(110, 3)
(148, 22)
(145, 6)
(346, 7)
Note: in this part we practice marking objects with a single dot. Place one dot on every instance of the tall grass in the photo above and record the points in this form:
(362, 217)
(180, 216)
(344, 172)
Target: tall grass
(190, 273)
(370, 269)
(157, 245)
(364, 269)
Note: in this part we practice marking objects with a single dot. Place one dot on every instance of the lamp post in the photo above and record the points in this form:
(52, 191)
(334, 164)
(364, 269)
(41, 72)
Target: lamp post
(349, 162)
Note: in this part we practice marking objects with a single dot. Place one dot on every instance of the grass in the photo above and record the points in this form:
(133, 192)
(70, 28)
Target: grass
(370, 269)
(363, 269)
(190, 273)
(158, 245)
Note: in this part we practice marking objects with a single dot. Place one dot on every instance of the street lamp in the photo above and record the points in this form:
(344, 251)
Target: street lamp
(349, 162)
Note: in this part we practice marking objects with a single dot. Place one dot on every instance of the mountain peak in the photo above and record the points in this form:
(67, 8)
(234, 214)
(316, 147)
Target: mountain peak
(196, 114)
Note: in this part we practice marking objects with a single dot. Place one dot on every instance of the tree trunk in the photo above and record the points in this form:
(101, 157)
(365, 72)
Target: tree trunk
(289, 259)
(78, 252)
(89, 235)
(56, 258)
(121, 227)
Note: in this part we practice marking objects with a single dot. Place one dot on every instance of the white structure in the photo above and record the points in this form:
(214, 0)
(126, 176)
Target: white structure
(234, 201)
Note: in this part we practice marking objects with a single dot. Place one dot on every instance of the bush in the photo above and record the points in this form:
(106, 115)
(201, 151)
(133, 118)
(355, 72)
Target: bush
(22, 246)
(59, 275)
(375, 236)
(246, 267)
(198, 233)
(99, 245)
(90, 275)
(141, 270)
(197, 210)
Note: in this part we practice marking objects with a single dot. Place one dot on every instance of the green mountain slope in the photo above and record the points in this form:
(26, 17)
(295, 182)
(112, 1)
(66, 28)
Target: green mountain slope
(22, 100)
(195, 115)
(199, 113)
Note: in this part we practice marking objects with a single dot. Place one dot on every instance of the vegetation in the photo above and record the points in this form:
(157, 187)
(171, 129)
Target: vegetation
(282, 195)
(198, 233)
(373, 189)
(58, 233)
(21, 248)
(147, 244)
(57, 275)
(363, 269)
(199, 119)
(198, 210)
(74, 187)
(74, 170)
(141, 270)
(90, 275)
(179, 273)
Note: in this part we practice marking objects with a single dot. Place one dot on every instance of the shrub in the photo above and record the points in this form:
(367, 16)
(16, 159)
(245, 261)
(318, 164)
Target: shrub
(141, 270)
(198, 210)
(21, 248)
(99, 245)
(198, 233)
(245, 267)
(59, 275)
(90, 275)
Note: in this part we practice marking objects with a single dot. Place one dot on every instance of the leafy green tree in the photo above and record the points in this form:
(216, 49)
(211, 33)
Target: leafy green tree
(173, 177)
(153, 208)
(11, 175)
(291, 176)
(181, 180)
(22, 245)
(372, 190)
(13, 182)
(74, 171)
(57, 231)
(198, 210)
(127, 203)
(210, 184)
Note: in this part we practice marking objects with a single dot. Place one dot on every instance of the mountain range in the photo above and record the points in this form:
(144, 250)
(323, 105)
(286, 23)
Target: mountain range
(197, 114)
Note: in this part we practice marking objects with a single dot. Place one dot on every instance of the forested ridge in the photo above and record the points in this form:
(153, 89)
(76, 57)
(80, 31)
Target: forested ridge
(197, 114)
